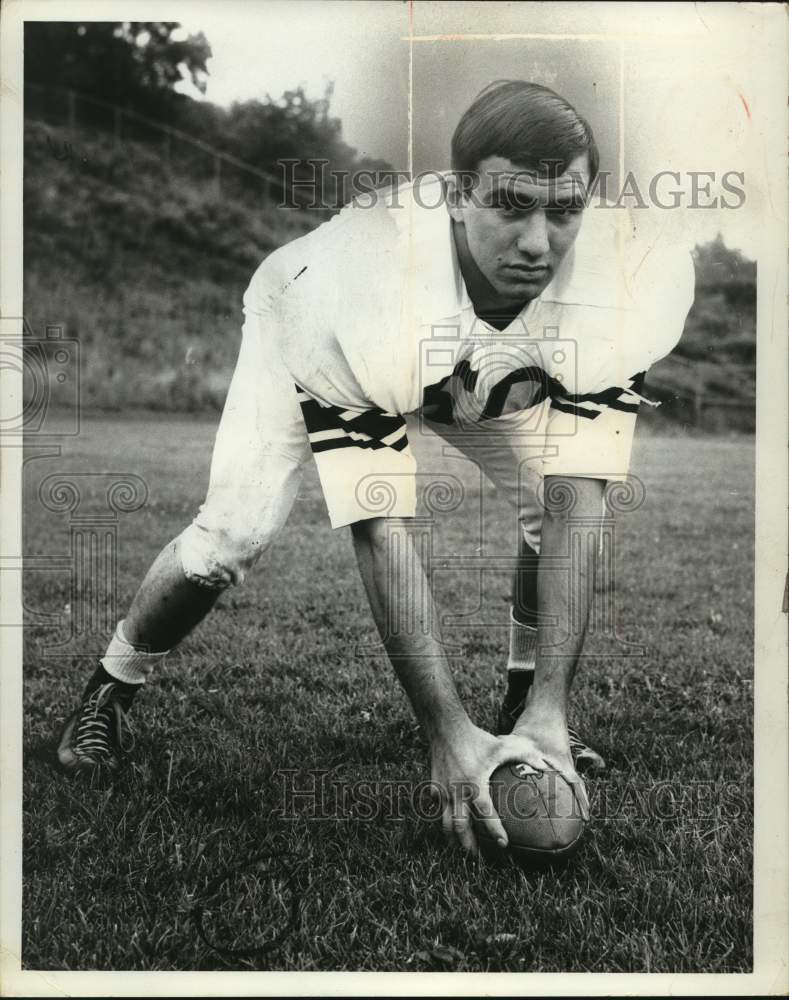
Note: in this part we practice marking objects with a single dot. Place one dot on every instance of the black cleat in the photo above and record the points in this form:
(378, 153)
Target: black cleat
(97, 735)
(508, 716)
(586, 760)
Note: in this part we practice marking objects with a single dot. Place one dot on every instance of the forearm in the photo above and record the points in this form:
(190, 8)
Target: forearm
(407, 619)
(564, 594)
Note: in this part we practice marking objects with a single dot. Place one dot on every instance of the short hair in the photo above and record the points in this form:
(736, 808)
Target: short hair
(528, 124)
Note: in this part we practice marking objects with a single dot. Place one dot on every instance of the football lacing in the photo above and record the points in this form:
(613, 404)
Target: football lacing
(94, 736)
(576, 743)
(581, 750)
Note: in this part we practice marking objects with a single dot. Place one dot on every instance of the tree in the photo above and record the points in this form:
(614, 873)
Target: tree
(297, 127)
(138, 65)
(131, 63)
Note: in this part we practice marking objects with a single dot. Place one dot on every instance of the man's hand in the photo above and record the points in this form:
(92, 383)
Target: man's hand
(549, 733)
(462, 762)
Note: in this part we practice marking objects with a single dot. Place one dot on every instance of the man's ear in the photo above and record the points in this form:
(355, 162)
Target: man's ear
(456, 200)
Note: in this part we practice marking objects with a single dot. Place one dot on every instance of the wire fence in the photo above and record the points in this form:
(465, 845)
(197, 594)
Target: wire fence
(688, 383)
(179, 152)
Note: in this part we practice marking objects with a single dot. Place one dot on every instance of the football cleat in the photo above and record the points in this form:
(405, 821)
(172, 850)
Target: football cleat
(585, 759)
(98, 734)
(519, 684)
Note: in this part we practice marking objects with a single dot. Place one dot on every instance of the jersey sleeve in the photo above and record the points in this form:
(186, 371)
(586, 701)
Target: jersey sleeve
(591, 434)
(661, 289)
(590, 431)
(267, 284)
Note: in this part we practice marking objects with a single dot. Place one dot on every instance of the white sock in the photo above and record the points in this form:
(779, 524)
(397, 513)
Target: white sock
(523, 645)
(126, 663)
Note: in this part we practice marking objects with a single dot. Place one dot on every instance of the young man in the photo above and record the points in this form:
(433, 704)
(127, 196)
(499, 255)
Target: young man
(333, 357)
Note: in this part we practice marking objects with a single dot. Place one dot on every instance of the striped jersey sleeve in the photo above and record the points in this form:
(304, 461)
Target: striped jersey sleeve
(330, 428)
(590, 430)
(591, 434)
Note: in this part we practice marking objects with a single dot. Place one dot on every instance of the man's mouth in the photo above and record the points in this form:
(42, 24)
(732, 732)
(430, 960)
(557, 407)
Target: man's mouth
(528, 270)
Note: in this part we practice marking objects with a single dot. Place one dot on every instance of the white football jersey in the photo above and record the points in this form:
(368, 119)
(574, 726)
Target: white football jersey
(370, 312)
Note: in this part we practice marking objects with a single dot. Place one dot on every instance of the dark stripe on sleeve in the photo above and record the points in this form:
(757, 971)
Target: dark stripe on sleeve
(375, 424)
(617, 404)
(578, 411)
(341, 442)
(317, 417)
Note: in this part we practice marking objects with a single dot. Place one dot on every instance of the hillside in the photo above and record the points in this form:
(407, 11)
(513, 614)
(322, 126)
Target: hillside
(147, 269)
(709, 380)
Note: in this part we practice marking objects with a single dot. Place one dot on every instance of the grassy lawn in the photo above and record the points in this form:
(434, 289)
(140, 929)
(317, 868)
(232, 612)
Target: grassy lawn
(279, 679)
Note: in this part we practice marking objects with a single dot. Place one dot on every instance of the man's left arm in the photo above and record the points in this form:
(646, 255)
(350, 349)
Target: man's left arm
(565, 585)
(591, 428)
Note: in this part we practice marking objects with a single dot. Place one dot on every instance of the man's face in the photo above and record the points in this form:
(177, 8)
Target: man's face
(519, 225)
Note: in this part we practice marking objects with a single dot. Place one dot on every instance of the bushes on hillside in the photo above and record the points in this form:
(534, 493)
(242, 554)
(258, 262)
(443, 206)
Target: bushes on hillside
(148, 272)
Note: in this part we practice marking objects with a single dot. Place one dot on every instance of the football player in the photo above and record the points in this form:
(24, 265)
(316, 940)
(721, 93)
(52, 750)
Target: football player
(555, 311)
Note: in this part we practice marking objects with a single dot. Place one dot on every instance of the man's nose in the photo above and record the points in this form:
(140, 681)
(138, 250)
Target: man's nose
(533, 237)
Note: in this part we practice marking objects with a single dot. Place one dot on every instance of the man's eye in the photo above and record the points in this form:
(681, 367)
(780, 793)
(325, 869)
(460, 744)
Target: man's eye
(508, 207)
(564, 212)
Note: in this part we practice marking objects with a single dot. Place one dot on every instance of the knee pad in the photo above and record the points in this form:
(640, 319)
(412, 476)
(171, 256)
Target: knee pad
(216, 559)
(531, 538)
(531, 528)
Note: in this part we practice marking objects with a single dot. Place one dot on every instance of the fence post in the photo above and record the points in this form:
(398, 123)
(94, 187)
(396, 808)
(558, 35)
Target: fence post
(72, 110)
(218, 175)
(117, 114)
(167, 152)
(698, 394)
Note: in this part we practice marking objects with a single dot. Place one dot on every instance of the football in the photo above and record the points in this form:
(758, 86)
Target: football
(539, 811)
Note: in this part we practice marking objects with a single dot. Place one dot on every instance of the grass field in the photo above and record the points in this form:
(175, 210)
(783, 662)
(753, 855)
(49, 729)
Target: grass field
(274, 681)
